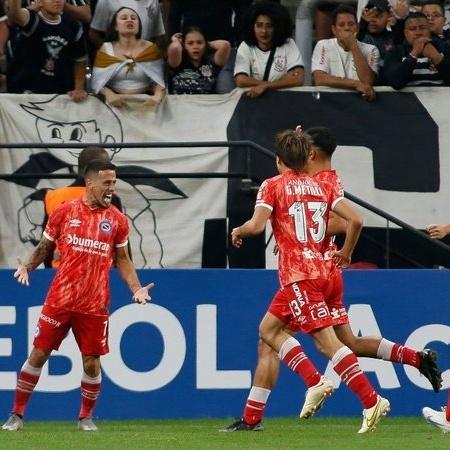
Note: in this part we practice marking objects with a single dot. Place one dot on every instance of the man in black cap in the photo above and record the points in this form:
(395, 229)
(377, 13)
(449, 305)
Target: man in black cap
(373, 29)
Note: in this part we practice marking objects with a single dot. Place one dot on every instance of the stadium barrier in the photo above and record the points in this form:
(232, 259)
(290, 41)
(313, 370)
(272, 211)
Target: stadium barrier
(190, 353)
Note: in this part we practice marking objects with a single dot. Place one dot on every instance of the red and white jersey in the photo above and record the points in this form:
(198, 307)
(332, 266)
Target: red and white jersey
(300, 207)
(330, 178)
(87, 239)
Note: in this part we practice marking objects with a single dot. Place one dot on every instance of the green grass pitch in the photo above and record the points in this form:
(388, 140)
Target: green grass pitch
(285, 433)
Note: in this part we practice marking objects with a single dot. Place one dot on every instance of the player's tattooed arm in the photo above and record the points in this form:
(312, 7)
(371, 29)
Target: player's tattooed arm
(41, 252)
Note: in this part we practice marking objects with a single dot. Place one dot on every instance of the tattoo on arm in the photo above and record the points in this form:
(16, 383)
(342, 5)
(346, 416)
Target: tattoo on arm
(44, 248)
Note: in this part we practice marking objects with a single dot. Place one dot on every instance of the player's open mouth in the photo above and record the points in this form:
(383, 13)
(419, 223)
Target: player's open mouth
(108, 198)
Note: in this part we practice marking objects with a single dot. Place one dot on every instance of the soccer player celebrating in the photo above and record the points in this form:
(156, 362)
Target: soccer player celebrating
(267, 369)
(90, 232)
(298, 207)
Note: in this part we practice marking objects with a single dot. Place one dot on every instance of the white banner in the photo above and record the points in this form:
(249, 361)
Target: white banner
(166, 216)
(379, 157)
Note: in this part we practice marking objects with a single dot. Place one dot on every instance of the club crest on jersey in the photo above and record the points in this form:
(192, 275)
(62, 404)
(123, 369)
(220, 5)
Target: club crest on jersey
(105, 226)
(74, 222)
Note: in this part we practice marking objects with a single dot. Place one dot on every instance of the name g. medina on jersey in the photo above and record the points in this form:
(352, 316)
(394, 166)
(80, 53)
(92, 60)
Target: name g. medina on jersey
(87, 245)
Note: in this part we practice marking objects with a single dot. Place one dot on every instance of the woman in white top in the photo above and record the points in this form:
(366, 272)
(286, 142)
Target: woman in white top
(268, 58)
(127, 64)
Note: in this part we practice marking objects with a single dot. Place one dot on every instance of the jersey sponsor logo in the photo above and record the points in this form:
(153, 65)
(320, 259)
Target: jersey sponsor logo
(88, 245)
(105, 226)
(74, 222)
(49, 320)
(310, 254)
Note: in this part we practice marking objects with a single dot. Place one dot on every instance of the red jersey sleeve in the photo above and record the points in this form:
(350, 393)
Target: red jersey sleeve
(55, 221)
(266, 195)
(122, 232)
(336, 192)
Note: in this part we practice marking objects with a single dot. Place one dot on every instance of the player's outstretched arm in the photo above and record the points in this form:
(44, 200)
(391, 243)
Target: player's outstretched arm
(438, 231)
(252, 227)
(128, 273)
(41, 252)
(354, 226)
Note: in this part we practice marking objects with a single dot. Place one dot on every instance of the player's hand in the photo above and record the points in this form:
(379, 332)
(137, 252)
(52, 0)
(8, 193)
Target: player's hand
(236, 239)
(436, 231)
(141, 295)
(341, 259)
(21, 273)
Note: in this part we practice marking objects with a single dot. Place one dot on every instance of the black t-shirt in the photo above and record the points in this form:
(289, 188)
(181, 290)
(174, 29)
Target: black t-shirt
(189, 79)
(44, 56)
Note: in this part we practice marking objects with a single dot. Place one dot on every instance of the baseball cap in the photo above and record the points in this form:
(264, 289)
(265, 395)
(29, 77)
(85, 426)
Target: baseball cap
(381, 5)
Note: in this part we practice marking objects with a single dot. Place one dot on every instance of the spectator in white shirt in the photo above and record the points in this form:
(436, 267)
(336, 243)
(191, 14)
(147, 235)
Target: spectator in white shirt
(268, 58)
(345, 62)
(149, 12)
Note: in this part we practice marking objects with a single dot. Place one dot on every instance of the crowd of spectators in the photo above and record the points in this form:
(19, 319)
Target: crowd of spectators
(119, 48)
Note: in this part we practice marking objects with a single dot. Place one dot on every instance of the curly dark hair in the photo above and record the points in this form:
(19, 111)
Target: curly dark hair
(111, 33)
(278, 14)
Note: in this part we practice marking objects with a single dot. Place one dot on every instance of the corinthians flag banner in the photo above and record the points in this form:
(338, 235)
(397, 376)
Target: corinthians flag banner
(393, 153)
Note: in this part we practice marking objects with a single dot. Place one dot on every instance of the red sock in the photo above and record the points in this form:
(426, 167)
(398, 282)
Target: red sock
(256, 404)
(447, 412)
(390, 351)
(292, 354)
(347, 367)
(28, 378)
(90, 390)
(405, 355)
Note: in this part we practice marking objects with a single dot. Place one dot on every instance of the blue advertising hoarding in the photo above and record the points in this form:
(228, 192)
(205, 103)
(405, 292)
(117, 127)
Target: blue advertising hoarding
(192, 351)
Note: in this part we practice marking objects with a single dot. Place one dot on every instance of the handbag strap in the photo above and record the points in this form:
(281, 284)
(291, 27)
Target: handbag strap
(269, 64)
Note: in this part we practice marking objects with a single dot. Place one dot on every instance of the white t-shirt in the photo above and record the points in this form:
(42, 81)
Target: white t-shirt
(149, 12)
(252, 61)
(330, 57)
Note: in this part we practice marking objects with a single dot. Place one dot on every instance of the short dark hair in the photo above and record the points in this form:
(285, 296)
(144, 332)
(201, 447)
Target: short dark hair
(323, 139)
(89, 154)
(437, 3)
(111, 33)
(293, 148)
(278, 14)
(343, 9)
(415, 15)
(96, 166)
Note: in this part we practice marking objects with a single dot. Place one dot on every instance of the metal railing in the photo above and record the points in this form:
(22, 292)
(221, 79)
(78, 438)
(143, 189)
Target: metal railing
(247, 174)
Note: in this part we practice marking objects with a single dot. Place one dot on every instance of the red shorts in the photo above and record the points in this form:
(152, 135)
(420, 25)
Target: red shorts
(334, 294)
(91, 332)
(301, 306)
